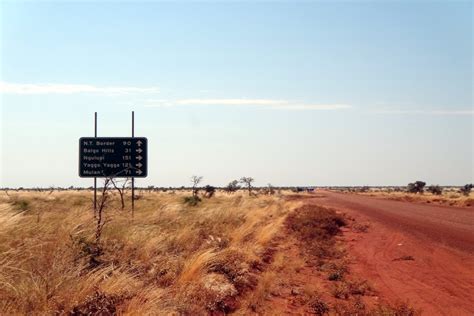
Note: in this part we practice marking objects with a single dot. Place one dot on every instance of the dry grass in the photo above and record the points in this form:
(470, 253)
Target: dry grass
(449, 197)
(315, 228)
(230, 253)
(171, 258)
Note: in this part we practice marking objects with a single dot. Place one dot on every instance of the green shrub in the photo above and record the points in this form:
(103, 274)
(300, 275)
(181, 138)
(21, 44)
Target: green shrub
(192, 200)
(435, 189)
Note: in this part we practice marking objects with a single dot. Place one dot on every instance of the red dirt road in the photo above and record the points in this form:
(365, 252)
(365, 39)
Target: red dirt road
(440, 279)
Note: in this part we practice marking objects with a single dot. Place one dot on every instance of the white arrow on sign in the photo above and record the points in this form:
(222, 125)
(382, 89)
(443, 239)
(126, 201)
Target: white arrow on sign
(139, 150)
(139, 158)
(139, 172)
(139, 165)
(139, 143)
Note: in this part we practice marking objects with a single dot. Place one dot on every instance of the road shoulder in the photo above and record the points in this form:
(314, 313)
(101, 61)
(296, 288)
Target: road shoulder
(435, 278)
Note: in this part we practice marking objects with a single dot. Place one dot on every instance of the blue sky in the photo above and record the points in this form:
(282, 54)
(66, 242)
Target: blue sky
(290, 93)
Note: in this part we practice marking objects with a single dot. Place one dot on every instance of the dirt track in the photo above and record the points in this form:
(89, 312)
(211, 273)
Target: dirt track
(452, 226)
(440, 239)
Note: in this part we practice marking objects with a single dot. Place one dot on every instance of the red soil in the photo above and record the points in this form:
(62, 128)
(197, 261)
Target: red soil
(440, 239)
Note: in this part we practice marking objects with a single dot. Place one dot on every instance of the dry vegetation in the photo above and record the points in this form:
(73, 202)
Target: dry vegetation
(451, 197)
(327, 285)
(229, 253)
(171, 257)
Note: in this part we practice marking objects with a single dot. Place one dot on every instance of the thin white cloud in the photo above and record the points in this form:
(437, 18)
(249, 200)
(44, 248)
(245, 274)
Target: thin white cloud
(428, 112)
(230, 102)
(54, 88)
(316, 107)
(264, 103)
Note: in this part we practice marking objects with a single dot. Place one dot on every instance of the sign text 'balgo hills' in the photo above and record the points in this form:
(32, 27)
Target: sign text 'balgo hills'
(113, 157)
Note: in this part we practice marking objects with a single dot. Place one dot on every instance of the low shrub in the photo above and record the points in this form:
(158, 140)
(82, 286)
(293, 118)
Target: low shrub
(21, 204)
(466, 190)
(318, 306)
(435, 189)
(350, 308)
(358, 307)
(98, 304)
(344, 290)
(192, 200)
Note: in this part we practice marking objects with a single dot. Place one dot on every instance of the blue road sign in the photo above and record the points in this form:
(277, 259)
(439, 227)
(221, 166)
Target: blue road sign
(119, 157)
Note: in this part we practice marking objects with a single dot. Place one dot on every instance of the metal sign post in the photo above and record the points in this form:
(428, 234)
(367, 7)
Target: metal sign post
(113, 157)
(95, 178)
(133, 178)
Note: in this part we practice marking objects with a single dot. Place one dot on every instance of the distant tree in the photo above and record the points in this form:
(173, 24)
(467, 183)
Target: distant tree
(232, 187)
(416, 187)
(466, 189)
(435, 189)
(195, 180)
(210, 190)
(247, 181)
(270, 189)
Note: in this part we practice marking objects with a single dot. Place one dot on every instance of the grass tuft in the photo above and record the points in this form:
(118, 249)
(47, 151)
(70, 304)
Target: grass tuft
(20, 204)
(192, 200)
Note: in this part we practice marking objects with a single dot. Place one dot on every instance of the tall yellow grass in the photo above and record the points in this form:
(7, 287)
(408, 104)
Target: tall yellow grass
(169, 259)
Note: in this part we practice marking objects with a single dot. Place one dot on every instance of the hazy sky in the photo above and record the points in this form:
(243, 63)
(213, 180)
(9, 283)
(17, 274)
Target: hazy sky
(308, 93)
